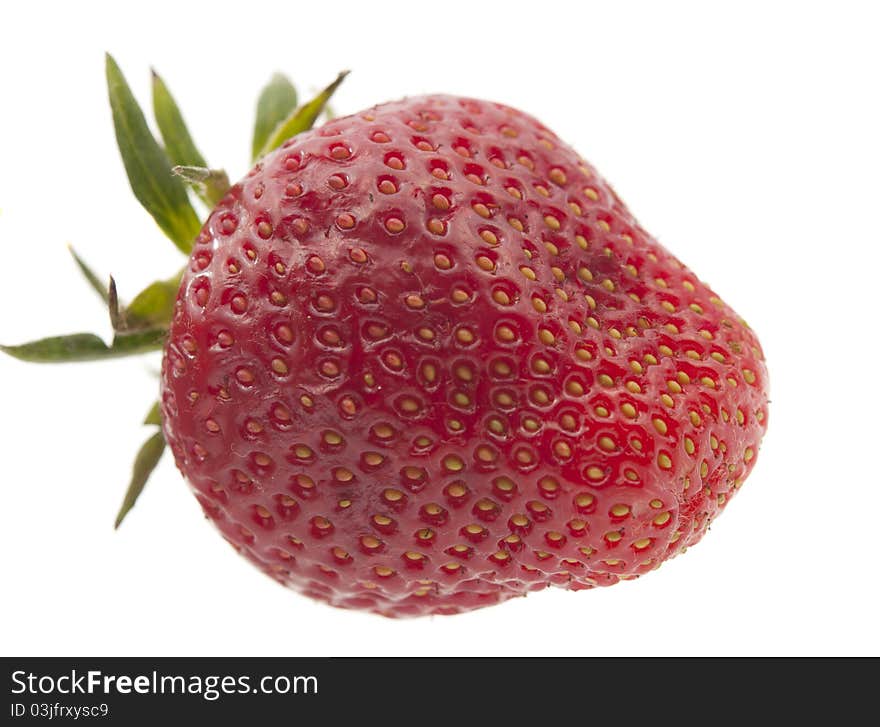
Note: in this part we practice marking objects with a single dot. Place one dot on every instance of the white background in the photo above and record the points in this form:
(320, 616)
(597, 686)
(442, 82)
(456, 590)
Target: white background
(744, 136)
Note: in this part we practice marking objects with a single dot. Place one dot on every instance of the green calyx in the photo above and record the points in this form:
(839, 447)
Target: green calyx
(166, 178)
(300, 119)
(276, 101)
(209, 184)
(144, 463)
(87, 347)
(148, 166)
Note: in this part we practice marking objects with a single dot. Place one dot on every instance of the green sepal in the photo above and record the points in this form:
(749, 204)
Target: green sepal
(154, 416)
(302, 118)
(149, 171)
(87, 347)
(117, 316)
(144, 464)
(153, 307)
(179, 146)
(91, 277)
(209, 184)
(276, 101)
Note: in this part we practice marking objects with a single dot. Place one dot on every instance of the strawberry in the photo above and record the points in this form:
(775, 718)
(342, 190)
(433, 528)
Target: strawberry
(423, 359)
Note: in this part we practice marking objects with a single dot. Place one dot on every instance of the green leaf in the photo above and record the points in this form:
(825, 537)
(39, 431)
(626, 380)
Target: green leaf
(153, 307)
(154, 416)
(179, 145)
(147, 166)
(276, 102)
(302, 119)
(86, 347)
(144, 464)
(210, 184)
(91, 278)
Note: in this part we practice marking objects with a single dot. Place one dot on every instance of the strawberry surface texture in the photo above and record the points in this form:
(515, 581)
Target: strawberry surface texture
(423, 360)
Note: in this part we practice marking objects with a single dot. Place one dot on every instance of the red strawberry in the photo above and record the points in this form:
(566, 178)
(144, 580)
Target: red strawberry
(423, 359)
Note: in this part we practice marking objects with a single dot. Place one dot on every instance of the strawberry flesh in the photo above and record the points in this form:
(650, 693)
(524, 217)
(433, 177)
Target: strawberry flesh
(424, 360)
